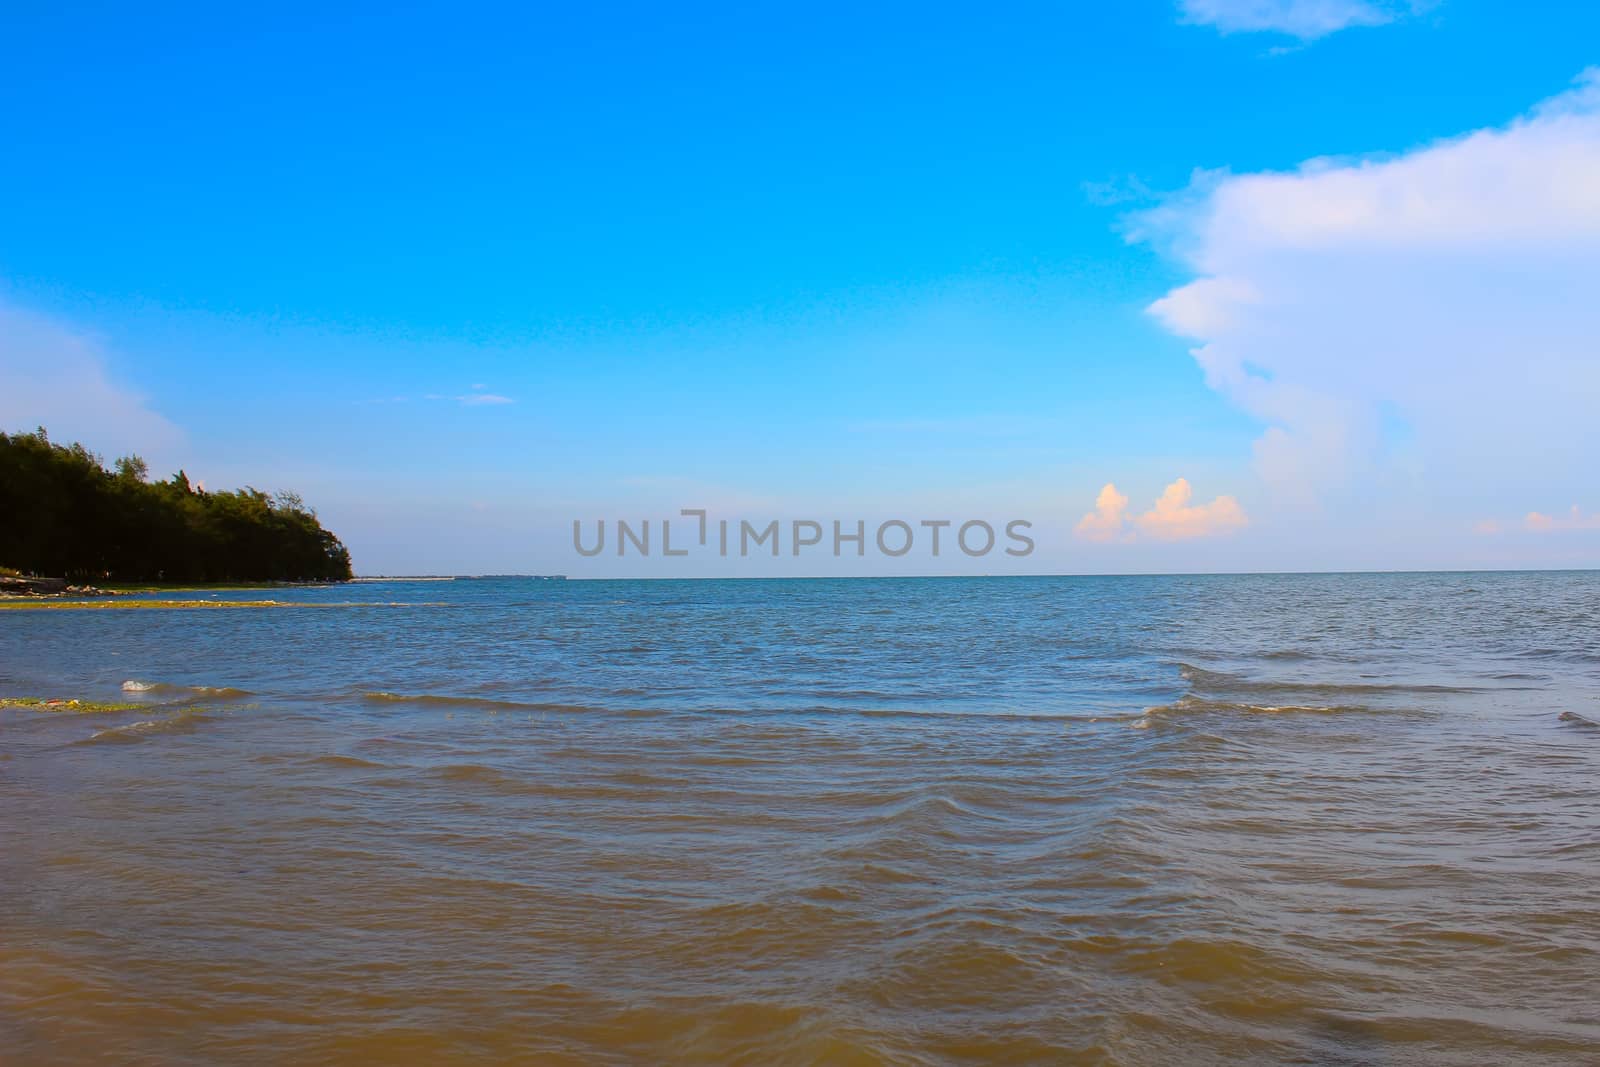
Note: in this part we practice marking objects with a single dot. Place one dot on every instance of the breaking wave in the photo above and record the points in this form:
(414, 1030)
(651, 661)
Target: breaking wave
(181, 723)
(224, 692)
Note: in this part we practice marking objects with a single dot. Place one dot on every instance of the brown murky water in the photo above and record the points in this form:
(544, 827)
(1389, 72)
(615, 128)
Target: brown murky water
(547, 827)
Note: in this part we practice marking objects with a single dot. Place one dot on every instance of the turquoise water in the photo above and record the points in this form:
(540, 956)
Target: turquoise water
(1123, 820)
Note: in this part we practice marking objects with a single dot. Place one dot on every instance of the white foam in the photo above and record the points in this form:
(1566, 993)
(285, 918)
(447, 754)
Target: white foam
(126, 728)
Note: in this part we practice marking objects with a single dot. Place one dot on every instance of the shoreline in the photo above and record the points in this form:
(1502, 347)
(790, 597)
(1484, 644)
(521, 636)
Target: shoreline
(19, 587)
(65, 604)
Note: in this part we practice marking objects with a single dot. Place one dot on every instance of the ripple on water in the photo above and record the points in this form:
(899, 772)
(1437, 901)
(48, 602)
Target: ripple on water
(1354, 830)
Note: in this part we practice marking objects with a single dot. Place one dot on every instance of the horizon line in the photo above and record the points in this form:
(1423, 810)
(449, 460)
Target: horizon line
(919, 577)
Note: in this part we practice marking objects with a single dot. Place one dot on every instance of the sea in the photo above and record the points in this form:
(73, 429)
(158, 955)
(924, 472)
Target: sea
(1144, 820)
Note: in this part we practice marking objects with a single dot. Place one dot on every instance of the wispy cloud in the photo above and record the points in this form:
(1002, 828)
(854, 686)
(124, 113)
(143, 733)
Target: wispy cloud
(473, 399)
(1123, 189)
(1173, 517)
(1572, 520)
(1304, 19)
(59, 377)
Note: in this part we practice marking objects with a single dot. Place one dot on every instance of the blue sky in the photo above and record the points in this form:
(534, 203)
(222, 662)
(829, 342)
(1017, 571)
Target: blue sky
(462, 274)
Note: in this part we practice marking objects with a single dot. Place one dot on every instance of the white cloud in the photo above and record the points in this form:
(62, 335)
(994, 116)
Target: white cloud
(57, 377)
(1206, 307)
(1305, 19)
(1572, 520)
(480, 399)
(1450, 288)
(1171, 518)
(1108, 519)
(1531, 183)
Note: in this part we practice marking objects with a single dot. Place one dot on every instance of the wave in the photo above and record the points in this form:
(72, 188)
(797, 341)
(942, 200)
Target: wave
(1560, 655)
(752, 710)
(125, 729)
(355, 762)
(225, 692)
(481, 775)
(446, 700)
(1193, 705)
(181, 723)
(1202, 679)
(469, 772)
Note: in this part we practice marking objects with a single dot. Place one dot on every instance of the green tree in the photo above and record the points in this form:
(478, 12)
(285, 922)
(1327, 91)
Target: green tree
(68, 515)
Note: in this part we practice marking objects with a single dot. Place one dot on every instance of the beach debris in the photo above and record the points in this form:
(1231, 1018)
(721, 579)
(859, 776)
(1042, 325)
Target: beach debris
(21, 585)
(56, 704)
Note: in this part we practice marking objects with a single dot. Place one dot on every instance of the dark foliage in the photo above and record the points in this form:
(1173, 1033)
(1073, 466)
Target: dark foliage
(63, 513)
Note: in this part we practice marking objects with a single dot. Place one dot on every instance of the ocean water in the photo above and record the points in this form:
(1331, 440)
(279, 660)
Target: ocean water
(1330, 819)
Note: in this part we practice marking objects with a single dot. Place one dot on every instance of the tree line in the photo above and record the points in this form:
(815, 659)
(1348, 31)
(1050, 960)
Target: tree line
(64, 513)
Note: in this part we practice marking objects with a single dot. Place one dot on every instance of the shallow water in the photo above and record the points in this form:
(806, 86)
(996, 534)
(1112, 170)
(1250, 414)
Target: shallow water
(1153, 820)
